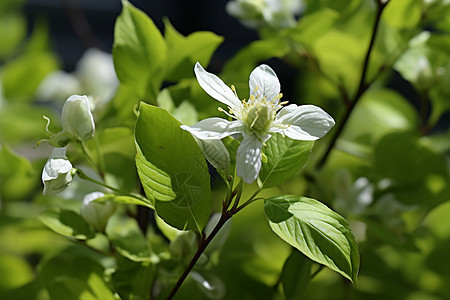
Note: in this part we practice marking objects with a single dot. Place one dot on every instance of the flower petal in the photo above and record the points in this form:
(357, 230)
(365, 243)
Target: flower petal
(264, 83)
(248, 158)
(214, 128)
(306, 122)
(76, 117)
(216, 88)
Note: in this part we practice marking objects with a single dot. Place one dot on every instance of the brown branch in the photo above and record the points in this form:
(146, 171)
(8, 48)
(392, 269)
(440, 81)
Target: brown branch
(201, 248)
(362, 87)
(81, 26)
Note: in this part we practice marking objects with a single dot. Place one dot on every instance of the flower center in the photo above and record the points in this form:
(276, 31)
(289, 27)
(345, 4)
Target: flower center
(257, 112)
(259, 117)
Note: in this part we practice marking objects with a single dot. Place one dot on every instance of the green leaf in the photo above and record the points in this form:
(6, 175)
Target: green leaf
(296, 275)
(378, 113)
(133, 280)
(403, 14)
(238, 68)
(172, 169)
(128, 239)
(13, 31)
(68, 223)
(285, 157)
(313, 26)
(126, 200)
(22, 76)
(414, 171)
(341, 55)
(315, 230)
(400, 157)
(14, 272)
(17, 177)
(184, 52)
(73, 277)
(139, 54)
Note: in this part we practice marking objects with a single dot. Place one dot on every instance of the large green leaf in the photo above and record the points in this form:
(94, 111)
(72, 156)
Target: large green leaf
(285, 157)
(67, 222)
(172, 169)
(317, 231)
(139, 54)
(184, 52)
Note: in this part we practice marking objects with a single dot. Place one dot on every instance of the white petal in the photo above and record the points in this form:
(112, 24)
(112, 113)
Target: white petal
(264, 83)
(248, 158)
(76, 117)
(216, 88)
(214, 128)
(306, 122)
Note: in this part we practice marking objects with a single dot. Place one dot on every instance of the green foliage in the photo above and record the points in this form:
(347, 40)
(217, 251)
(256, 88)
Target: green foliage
(384, 167)
(17, 177)
(67, 223)
(128, 239)
(286, 157)
(72, 276)
(296, 275)
(184, 52)
(139, 57)
(316, 231)
(178, 185)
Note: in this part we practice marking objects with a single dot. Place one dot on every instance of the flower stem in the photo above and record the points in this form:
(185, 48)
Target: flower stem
(88, 155)
(226, 215)
(362, 87)
(82, 175)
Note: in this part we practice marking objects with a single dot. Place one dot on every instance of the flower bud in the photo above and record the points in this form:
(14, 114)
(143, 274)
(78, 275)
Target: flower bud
(76, 117)
(57, 172)
(97, 213)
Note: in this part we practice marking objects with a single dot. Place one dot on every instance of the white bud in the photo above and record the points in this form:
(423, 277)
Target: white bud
(97, 213)
(76, 117)
(57, 172)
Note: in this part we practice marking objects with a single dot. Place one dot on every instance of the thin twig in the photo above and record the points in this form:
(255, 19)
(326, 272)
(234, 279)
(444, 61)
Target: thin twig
(81, 26)
(362, 87)
(201, 248)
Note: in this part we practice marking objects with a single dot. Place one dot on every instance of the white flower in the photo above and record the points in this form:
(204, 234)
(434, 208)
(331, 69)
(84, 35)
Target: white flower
(57, 172)
(257, 118)
(58, 85)
(96, 74)
(76, 117)
(97, 213)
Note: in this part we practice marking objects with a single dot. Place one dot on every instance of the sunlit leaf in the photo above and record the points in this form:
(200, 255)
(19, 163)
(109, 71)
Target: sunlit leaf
(285, 157)
(172, 169)
(184, 52)
(316, 231)
(139, 54)
(67, 222)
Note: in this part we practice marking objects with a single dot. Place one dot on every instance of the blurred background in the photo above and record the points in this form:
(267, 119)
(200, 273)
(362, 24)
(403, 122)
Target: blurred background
(403, 230)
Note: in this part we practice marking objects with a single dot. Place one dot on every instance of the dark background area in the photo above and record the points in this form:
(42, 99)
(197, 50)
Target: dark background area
(76, 25)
